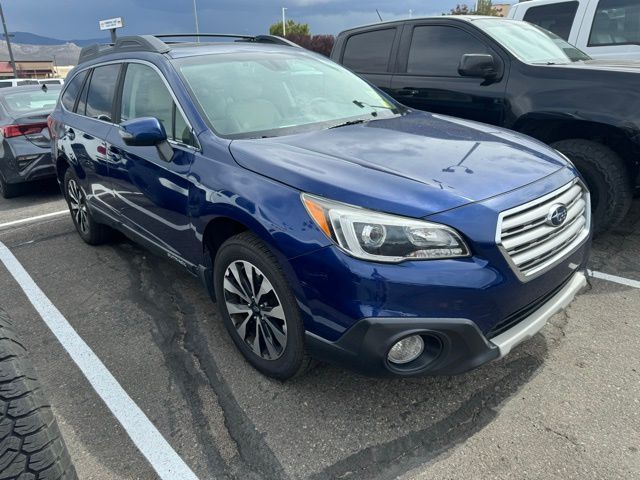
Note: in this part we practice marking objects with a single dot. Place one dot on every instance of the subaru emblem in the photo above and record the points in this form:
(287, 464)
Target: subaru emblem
(557, 215)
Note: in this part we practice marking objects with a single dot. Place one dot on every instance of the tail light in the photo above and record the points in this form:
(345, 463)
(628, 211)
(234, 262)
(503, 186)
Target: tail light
(10, 131)
(50, 125)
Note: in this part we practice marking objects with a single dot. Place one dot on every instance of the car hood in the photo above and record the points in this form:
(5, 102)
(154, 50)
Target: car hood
(415, 165)
(611, 65)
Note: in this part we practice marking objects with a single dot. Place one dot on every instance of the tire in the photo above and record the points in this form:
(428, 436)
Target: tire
(280, 359)
(31, 447)
(8, 190)
(607, 178)
(91, 231)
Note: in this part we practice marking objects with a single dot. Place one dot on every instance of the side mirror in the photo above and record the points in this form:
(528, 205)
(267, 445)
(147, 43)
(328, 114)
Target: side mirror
(147, 132)
(479, 65)
(142, 132)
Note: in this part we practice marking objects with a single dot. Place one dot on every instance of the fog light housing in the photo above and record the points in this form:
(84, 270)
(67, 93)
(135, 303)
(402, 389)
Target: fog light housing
(406, 350)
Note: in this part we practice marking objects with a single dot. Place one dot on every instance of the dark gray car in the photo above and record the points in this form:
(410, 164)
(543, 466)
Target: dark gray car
(25, 153)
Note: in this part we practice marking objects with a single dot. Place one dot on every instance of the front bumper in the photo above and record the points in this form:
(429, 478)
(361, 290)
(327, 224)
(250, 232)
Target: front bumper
(452, 346)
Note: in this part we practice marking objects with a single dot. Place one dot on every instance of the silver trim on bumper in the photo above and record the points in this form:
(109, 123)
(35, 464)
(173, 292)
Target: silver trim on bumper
(534, 323)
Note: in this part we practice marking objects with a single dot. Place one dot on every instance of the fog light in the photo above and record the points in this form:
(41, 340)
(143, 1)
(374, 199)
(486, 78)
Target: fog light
(406, 350)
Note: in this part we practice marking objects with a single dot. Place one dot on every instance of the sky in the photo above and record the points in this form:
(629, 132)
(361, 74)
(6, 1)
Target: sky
(78, 19)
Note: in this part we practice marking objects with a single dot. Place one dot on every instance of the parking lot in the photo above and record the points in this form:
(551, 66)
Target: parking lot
(566, 404)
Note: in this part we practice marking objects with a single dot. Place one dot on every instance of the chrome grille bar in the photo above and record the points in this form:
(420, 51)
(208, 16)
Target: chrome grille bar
(531, 243)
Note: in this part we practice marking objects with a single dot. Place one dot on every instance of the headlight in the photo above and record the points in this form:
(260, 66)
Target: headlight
(382, 237)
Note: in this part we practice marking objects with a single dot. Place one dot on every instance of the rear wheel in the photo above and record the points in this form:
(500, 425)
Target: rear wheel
(259, 308)
(91, 231)
(8, 190)
(607, 178)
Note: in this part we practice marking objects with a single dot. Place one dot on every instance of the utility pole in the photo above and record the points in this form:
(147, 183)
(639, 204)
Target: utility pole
(6, 36)
(284, 27)
(195, 16)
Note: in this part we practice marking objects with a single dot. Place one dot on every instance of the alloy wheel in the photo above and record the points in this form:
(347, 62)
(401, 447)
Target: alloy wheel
(255, 309)
(78, 206)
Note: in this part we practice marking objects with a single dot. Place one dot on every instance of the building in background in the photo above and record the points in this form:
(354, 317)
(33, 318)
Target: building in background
(29, 69)
(501, 8)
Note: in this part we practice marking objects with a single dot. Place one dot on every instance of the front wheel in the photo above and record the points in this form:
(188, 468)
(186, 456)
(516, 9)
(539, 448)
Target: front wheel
(607, 178)
(258, 307)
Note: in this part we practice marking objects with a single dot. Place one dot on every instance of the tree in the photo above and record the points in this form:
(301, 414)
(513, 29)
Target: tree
(460, 10)
(293, 28)
(482, 7)
(316, 43)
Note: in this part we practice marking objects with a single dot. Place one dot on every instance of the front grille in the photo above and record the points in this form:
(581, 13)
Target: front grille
(516, 317)
(528, 239)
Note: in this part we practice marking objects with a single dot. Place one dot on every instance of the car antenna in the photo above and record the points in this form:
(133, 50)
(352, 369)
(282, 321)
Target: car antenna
(379, 16)
(44, 87)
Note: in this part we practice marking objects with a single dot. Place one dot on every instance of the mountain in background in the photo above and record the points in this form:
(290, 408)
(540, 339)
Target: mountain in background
(64, 54)
(29, 46)
(27, 38)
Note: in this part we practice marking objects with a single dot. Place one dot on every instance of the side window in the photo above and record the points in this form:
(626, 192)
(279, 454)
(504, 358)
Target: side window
(72, 91)
(101, 92)
(144, 94)
(556, 17)
(5, 84)
(616, 22)
(436, 50)
(369, 52)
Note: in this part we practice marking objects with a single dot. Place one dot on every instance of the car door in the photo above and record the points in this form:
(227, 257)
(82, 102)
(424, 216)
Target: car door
(87, 128)
(428, 78)
(370, 54)
(151, 193)
(562, 17)
(611, 29)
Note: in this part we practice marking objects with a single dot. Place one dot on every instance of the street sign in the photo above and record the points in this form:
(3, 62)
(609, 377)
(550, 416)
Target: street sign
(111, 23)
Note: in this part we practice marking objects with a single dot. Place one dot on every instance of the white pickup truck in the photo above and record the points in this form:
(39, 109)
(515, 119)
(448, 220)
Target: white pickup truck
(600, 28)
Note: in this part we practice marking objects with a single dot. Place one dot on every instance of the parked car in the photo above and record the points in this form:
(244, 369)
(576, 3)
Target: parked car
(25, 146)
(515, 75)
(51, 81)
(325, 218)
(17, 82)
(600, 28)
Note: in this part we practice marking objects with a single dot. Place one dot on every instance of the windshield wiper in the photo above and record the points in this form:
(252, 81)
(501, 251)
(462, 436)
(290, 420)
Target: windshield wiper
(375, 114)
(346, 124)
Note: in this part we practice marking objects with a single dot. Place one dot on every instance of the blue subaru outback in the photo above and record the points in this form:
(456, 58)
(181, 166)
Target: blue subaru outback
(324, 218)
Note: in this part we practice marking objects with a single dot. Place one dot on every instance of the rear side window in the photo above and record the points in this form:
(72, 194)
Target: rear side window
(617, 22)
(144, 94)
(556, 17)
(73, 90)
(437, 50)
(101, 92)
(5, 84)
(369, 52)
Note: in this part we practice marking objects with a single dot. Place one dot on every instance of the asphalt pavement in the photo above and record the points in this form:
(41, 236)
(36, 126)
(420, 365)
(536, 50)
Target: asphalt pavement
(565, 404)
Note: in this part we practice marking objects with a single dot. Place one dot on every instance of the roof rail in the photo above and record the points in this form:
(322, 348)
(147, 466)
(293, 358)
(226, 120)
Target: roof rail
(155, 44)
(135, 43)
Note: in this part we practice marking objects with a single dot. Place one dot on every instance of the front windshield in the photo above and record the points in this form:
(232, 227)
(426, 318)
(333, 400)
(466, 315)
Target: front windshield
(530, 43)
(256, 94)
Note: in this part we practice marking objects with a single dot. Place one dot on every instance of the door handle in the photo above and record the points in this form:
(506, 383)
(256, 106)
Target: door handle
(114, 154)
(409, 91)
(71, 134)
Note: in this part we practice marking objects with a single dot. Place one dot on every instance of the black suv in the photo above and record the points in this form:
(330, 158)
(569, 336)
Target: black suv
(516, 75)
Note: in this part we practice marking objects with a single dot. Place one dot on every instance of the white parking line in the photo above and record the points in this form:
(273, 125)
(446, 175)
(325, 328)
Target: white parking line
(614, 278)
(164, 460)
(37, 218)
